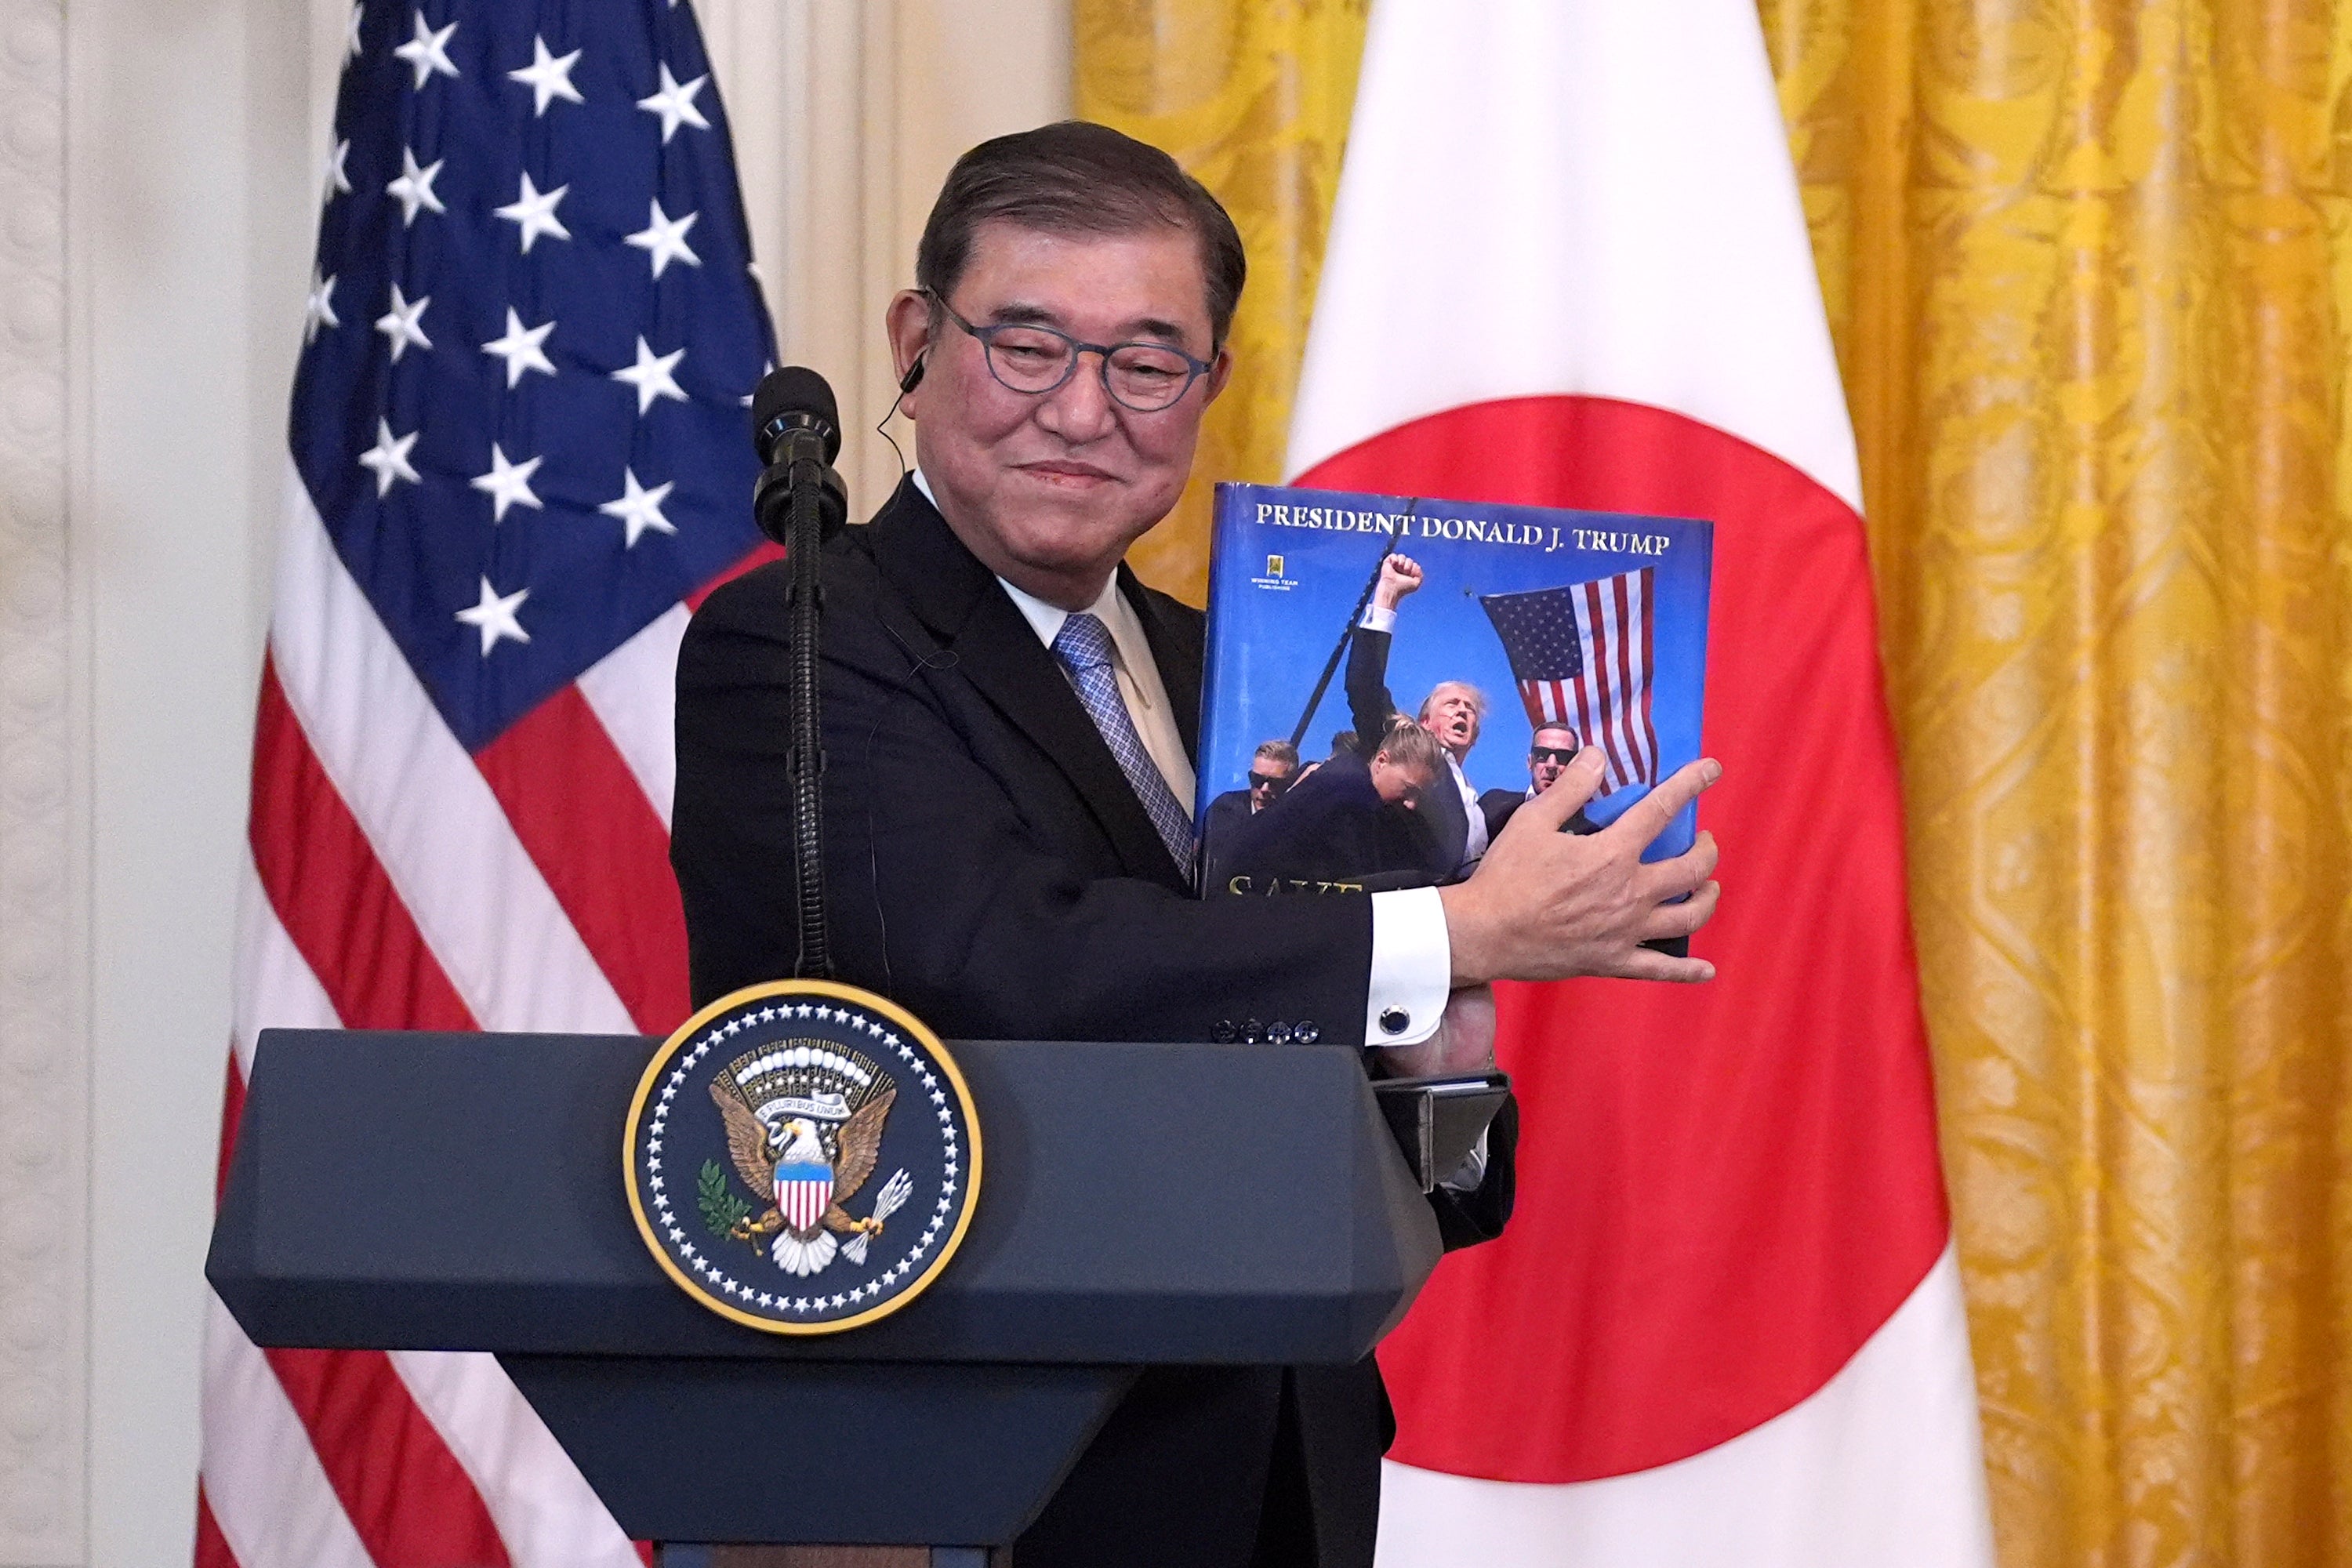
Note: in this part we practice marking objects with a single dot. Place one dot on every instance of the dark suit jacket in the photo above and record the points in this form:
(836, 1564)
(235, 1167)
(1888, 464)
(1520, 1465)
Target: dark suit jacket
(988, 867)
(1499, 803)
(1332, 825)
(1227, 812)
(1370, 706)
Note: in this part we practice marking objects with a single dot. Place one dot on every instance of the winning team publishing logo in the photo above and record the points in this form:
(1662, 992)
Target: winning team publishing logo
(802, 1157)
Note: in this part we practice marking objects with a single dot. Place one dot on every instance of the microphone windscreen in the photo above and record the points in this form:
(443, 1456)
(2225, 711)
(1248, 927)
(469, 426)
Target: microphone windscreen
(794, 394)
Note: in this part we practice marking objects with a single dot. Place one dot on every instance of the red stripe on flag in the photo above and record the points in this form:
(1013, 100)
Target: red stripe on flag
(212, 1546)
(1649, 673)
(1604, 700)
(585, 822)
(331, 892)
(761, 553)
(411, 1502)
(1638, 765)
(232, 1113)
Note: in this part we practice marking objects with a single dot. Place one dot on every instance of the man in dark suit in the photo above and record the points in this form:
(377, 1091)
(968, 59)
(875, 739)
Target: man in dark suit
(1272, 771)
(1454, 711)
(1549, 751)
(1010, 728)
(1352, 820)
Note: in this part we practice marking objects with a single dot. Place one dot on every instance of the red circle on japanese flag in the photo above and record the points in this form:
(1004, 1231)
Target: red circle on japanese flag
(1723, 1190)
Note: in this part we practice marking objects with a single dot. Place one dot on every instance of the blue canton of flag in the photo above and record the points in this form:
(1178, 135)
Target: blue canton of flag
(530, 336)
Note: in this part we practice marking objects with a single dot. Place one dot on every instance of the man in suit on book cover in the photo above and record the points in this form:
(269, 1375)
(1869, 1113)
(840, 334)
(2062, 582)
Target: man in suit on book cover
(1273, 769)
(1454, 711)
(1355, 819)
(1010, 729)
(1553, 747)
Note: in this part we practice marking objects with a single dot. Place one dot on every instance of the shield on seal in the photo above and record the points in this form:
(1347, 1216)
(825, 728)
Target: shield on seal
(803, 1193)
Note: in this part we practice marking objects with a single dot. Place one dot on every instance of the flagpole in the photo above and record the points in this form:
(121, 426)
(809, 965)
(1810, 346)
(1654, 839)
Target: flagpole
(1348, 633)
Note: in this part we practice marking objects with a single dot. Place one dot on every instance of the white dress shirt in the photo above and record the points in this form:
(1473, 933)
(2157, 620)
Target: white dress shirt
(1378, 618)
(1413, 958)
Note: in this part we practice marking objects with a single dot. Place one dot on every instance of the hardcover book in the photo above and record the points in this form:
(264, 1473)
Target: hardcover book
(1390, 679)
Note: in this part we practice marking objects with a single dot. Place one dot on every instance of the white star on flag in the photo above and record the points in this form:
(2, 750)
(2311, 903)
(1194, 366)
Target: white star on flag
(320, 312)
(339, 179)
(508, 484)
(665, 239)
(428, 51)
(389, 458)
(675, 102)
(400, 324)
(651, 376)
(494, 618)
(639, 507)
(548, 77)
(414, 189)
(351, 42)
(521, 348)
(534, 212)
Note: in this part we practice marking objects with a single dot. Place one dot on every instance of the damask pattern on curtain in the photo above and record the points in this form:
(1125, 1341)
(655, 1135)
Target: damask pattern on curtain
(2089, 264)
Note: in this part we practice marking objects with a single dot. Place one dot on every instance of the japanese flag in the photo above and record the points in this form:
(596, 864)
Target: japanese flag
(1567, 266)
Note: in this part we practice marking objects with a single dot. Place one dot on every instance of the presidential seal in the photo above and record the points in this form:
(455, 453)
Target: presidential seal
(802, 1157)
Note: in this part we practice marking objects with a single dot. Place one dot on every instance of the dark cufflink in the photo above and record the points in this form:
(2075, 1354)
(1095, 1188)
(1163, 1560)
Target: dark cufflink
(1304, 1033)
(1221, 1031)
(1252, 1032)
(1395, 1021)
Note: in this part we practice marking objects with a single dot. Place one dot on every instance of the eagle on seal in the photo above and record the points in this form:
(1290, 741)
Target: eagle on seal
(799, 1153)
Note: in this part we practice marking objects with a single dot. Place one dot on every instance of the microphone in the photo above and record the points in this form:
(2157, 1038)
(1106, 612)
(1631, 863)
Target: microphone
(796, 431)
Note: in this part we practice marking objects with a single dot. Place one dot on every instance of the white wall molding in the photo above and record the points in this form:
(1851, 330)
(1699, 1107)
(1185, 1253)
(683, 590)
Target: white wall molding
(44, 1084)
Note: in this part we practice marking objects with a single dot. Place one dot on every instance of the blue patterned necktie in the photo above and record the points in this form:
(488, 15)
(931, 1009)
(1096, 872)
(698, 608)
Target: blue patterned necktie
(1082, 644)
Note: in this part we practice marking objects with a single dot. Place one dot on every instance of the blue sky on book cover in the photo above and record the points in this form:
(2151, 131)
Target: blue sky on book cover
(1597, 617)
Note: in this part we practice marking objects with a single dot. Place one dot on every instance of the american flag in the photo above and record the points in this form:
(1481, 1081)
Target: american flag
(520, 451)
(1581, 656)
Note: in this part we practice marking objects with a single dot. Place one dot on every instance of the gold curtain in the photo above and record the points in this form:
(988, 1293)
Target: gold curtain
(1252, 96)
(2088, 266)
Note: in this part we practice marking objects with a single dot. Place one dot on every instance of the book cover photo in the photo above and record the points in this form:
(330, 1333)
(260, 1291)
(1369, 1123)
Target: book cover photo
(1390, 679)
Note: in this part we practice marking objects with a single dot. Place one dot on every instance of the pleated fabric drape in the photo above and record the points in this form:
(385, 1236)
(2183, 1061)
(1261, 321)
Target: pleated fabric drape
(2089, 266)
(1253, 97)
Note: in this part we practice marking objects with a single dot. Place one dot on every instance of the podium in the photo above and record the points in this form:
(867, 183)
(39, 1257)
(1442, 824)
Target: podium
(1143, 1205)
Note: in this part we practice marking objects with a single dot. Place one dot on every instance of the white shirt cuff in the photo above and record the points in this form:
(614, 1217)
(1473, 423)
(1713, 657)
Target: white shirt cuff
(1413, 967)
(1377, 619)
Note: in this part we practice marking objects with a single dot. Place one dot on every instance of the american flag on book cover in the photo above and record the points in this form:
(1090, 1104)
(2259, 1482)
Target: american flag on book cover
(1581, 656)
(518, 452)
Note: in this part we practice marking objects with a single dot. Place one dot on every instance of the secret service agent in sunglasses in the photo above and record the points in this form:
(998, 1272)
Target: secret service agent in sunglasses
(1142, 377)
(1563, 756)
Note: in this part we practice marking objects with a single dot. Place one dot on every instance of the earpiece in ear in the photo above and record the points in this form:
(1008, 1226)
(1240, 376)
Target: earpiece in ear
(914, 376)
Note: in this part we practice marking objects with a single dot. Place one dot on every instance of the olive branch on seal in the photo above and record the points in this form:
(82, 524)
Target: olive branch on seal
(722, 1210)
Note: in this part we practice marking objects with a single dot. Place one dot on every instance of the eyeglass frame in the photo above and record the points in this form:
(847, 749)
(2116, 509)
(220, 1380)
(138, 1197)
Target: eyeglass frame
(987, 336)
(1563, 755)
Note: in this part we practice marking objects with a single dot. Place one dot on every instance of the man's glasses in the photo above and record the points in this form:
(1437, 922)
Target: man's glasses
(1140, 376)
(1269, 782)
(1563, 756)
